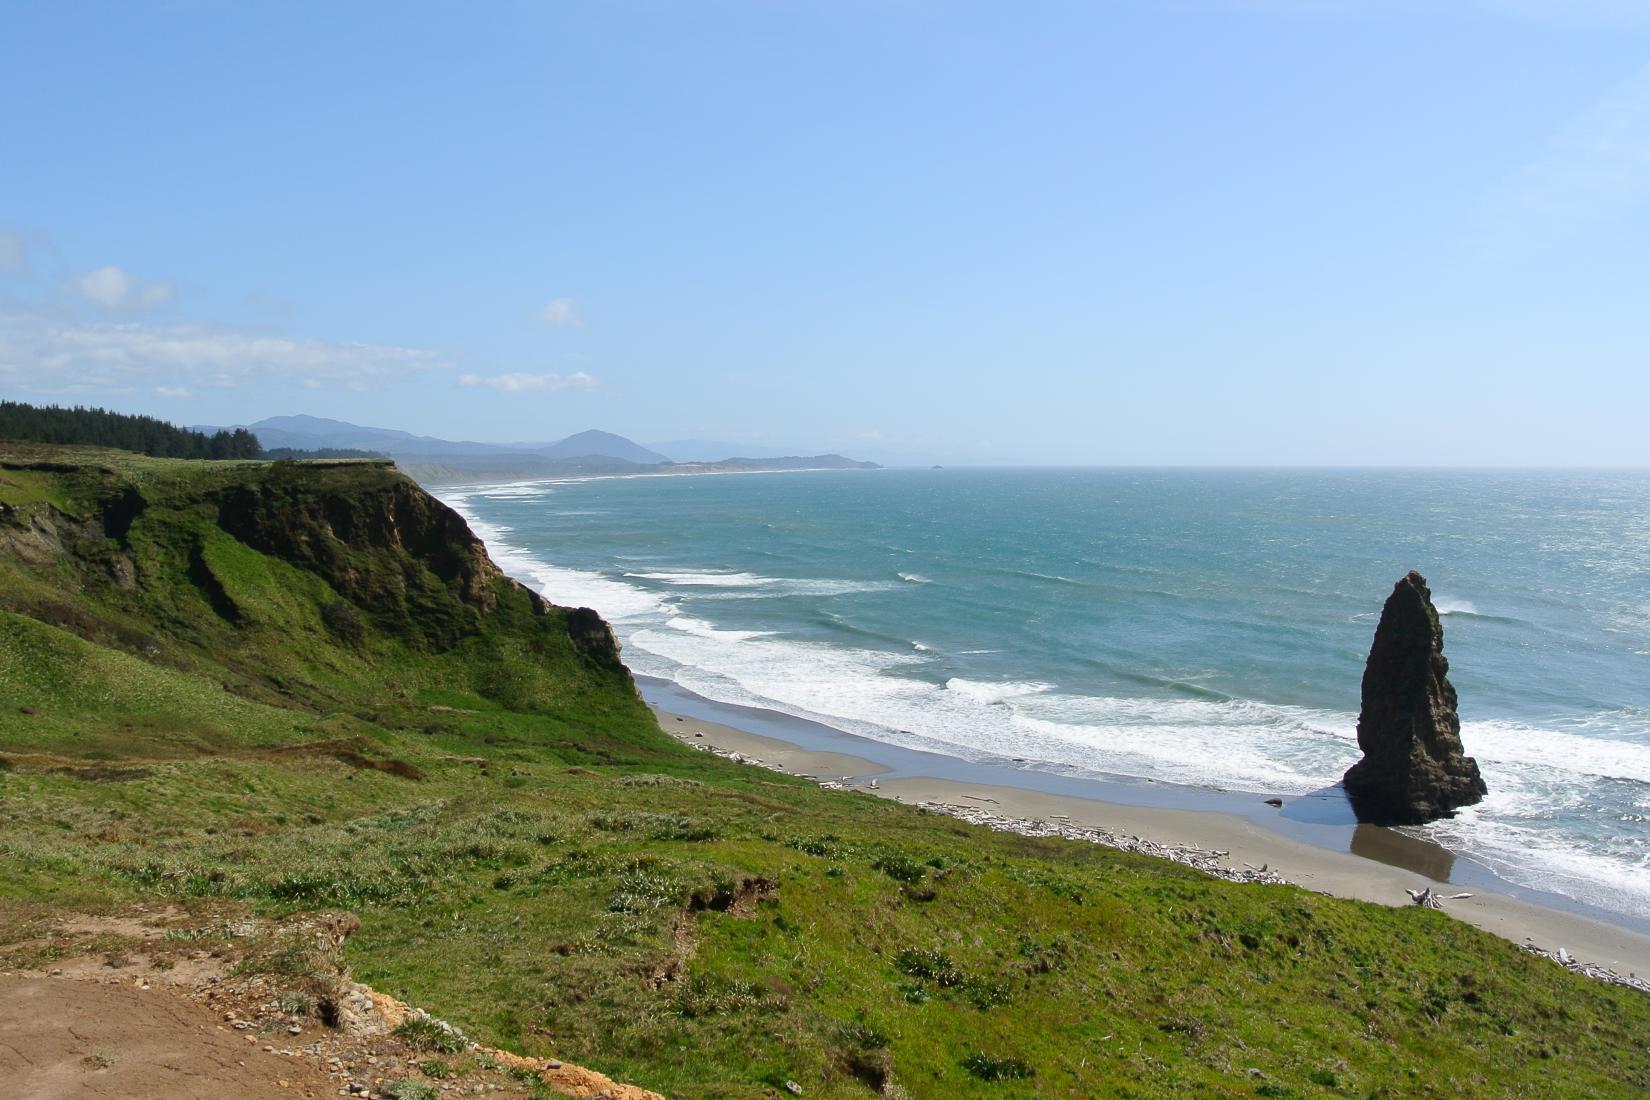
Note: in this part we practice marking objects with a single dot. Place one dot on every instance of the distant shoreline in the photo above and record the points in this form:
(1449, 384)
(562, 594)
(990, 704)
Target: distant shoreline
(1369, 864)
(547, 479)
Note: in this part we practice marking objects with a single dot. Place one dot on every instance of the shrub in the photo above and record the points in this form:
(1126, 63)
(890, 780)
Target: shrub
(407, 1089)
(933, 965)
(987, 1068)
(900, 868)
(862, 1035)
(423, 1033)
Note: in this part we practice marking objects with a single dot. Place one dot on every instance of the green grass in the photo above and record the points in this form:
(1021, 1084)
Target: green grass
(563, 879)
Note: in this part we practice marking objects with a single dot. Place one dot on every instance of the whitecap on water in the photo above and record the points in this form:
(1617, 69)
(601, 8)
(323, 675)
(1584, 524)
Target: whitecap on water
(984, 692)
(1449, 606)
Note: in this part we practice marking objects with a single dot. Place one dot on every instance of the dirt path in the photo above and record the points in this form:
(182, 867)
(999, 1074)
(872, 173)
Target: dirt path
(62, 1039)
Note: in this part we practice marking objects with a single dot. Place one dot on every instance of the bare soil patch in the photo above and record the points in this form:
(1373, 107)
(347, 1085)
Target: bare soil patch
(62, 1038)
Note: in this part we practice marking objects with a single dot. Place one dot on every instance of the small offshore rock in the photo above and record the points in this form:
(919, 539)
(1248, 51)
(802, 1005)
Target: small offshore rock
(1274, 802)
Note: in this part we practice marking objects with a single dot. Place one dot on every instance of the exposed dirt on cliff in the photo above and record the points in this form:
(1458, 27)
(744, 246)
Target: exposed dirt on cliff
(66, 1038)
(136, 1006)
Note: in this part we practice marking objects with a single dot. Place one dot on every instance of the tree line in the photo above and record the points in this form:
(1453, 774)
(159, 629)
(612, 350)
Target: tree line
(123, 431)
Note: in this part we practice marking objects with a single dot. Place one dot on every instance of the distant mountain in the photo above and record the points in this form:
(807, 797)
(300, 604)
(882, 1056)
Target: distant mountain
(312, 433)
(594, 444)
(708, 450)
(784, 462)
(320, 433)
(432, 460)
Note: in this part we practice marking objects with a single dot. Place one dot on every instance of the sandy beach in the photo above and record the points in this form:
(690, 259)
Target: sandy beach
(1247, 844)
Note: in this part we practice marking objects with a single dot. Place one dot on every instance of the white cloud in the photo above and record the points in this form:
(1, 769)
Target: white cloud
(560, 313)
(14, 255)
(171, 391)
(531, 383)
(1595, 165)
(45, 355)
(116, 289)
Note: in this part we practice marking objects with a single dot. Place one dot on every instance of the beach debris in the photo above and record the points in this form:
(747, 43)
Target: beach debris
(1274, 802)
(1597, 973)
(1414, 768)
(1431, 899)
(1425, 898)
(1208, 861)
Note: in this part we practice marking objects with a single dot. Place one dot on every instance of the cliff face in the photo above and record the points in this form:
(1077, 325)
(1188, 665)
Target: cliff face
(384, 545)
(1414, 767)
(292, 576)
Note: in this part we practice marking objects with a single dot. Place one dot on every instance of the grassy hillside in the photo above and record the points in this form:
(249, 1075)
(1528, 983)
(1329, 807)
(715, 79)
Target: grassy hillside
(278, 689)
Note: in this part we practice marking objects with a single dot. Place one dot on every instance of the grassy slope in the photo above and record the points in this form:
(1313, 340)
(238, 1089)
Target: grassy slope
(559, 877)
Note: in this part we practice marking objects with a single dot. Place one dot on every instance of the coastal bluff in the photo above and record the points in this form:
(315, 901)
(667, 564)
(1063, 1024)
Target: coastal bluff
(1414, 768)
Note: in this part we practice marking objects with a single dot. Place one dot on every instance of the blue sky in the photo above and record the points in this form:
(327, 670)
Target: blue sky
(1195, 231)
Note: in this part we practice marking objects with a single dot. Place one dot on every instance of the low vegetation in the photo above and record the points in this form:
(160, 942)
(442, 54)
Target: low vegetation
(281, 689)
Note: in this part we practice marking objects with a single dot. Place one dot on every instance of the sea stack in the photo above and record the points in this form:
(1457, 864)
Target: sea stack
(1414, 769)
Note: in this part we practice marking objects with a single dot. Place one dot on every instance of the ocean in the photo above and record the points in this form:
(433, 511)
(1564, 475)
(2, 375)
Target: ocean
(1196, 627)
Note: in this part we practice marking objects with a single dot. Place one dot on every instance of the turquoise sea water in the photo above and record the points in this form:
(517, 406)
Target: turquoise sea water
(1206, 628)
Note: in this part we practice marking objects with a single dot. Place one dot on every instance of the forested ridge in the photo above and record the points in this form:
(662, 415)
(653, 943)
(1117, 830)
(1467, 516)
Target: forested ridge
(103, 428)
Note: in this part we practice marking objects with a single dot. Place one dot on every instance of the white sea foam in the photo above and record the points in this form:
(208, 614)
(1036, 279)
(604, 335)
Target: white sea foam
(796, 587)
(752, 586)
(526, 491)
(616, 601)
(1448, 606)
(701, 629)
(707, 578)
(913, 578)
(1494, 742)
(1510, 832)
(983, 692)
(1198, 742)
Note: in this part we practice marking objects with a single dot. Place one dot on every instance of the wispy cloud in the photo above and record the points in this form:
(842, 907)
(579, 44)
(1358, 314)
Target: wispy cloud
(560, 313)
(119, 290)
(14, 254)
(46, 355)
(1592, 167)
(530, 383)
